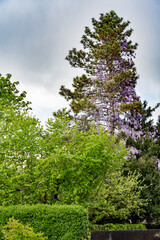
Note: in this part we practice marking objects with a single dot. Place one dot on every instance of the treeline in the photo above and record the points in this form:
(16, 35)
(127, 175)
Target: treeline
(103, 153)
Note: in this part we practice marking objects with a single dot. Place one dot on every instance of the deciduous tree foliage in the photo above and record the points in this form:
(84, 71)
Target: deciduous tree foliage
(81, 168)
(117, 198)
(20, 145)
(77, 162)
(9, 94)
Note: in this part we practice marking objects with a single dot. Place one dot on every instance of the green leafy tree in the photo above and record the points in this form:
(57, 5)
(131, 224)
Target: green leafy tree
(10, 96)
(117, 198)
(81, 168)
(77, 162)
(20, 146)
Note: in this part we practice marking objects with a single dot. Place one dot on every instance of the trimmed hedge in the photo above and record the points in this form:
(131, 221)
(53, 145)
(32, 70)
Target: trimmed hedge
(56, 222)
(111, 226)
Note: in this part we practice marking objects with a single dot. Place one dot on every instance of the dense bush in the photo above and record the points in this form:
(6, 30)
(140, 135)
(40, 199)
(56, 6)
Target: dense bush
(14, 230)
(56, 222)
(111, 226)
(117, 198)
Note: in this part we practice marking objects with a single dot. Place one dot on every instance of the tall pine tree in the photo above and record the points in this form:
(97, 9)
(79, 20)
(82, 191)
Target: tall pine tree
(106, 93)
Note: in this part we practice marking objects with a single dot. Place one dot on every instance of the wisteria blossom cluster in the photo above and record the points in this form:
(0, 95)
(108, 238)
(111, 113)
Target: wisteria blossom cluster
(114, 93)
(118, 106)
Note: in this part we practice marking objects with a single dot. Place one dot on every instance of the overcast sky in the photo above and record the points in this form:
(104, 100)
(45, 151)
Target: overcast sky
(36, 35)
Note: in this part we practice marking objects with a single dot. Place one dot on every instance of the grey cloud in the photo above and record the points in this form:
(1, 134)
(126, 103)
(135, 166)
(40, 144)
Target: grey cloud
(36, 35)
(29, 33)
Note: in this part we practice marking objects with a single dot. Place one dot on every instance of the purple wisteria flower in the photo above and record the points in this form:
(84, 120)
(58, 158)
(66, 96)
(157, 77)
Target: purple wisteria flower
(115, 96)
(158, 165)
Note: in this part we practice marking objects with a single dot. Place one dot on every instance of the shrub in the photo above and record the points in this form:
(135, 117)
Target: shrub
(14, 230)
